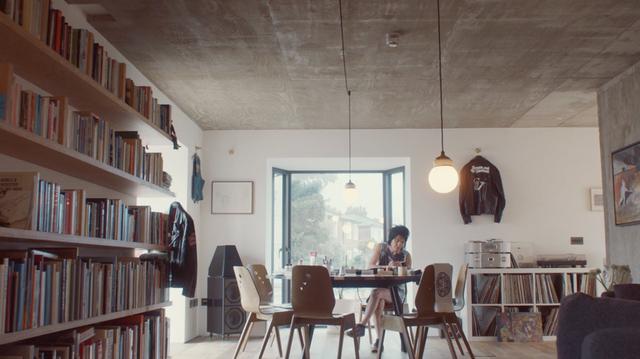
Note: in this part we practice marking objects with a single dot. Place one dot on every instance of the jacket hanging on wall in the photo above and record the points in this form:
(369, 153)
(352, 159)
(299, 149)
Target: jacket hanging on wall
(183, 267)
(481, 190)
(197, 183)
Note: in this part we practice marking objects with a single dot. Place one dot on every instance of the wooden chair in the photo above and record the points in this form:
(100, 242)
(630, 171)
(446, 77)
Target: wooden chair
(260, 278)
(313, 301)
(251, 303)
(434, 306)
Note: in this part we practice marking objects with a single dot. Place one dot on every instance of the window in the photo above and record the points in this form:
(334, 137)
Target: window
(310, 214)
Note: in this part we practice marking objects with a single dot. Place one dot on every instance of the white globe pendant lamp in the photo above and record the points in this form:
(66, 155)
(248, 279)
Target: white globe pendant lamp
(443, 177)
(350, 189)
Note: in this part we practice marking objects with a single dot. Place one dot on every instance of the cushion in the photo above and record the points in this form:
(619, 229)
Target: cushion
(627, 291)
(619, 343)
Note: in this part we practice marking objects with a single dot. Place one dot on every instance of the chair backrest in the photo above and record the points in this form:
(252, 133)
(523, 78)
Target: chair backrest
(262, 282)
(458, 299)
(249, 297)
(311, 290)
(434, 290)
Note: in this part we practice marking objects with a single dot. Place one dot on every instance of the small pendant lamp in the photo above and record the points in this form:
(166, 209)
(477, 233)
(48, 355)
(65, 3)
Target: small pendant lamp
(350, 190)
(443, 177)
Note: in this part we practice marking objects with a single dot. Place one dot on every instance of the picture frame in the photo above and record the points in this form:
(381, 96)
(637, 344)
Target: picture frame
(231, 197)
(597, 199)
(625, 164)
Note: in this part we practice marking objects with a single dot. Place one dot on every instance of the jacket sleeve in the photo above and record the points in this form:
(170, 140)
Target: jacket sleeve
(464, 194)
(500, 203)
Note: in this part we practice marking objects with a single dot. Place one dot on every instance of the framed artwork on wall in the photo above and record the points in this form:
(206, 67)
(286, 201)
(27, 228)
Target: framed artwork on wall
(231, 197)
(626, 184)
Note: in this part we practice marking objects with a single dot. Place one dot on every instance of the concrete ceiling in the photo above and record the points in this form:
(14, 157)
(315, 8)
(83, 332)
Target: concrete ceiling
(275, 64)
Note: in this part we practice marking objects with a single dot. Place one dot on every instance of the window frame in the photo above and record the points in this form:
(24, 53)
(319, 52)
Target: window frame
(387, 202)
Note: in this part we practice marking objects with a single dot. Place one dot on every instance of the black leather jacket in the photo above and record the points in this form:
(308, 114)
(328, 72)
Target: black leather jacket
(481, 190)
(182, 251)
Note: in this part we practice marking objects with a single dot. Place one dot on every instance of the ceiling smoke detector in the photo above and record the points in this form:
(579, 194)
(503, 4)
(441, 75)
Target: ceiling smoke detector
(393, 39)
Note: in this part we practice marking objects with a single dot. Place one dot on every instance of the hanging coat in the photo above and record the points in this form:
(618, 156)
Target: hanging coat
(481, 190)
(183, 266)
(197, 183)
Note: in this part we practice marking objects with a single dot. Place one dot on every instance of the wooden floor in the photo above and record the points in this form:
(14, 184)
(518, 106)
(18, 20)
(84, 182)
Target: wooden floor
(325, 346)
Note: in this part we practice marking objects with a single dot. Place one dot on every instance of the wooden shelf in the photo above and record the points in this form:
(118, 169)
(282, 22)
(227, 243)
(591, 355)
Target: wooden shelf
(12, 234)
(36, 62)
(49, 329)
(24, 145)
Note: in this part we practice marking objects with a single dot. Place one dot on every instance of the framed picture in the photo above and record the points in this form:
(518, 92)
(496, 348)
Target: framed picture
(626, 184)
(597, 199)
(232, 197)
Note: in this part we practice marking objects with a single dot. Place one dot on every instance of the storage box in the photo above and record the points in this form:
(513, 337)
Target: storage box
(489, 260)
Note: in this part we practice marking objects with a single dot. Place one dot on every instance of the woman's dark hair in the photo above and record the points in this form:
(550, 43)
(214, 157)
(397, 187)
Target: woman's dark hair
(398, 230)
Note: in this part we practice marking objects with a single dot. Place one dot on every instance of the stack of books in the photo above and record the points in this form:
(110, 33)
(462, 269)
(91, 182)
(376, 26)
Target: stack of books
(483, 321)
(490, 291)
(546, 291)
(130, 156)
(29, 202)
(44, 116)
(161, 116)
(551, 322)
(587, 284)
(517, 289)
(90, 135)
(78, 47)
(54, 285)
(138, 336)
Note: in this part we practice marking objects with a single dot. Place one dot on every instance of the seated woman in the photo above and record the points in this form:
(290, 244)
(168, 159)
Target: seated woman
(387, 254)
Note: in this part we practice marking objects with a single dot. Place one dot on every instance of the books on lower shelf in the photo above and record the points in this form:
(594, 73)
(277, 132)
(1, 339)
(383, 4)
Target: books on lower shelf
(551, 322)
(483, 320)
(78, 47)
(29, 202)
(40, 287)
(138, 336)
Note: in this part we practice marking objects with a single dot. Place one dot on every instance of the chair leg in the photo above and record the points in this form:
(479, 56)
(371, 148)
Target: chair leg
(464, 339)
(300, 337)
(369, 331)
(246, 338)
(452, 332)
(448, 338)
(423, 341)
(292, 329)
(244, 334)
(341, 340)
(265, 341)
(277, 332)
(407, 342)
(307, 342)
(380, 341)
(356, 346)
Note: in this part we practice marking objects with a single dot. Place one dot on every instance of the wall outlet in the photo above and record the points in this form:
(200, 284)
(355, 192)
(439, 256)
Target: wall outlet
(577, 241)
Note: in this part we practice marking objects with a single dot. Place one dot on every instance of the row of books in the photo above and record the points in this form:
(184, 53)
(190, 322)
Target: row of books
(40, 287)
(486, 289)
(517, 289)
(85, 133)
(546, 290)
(29, 202)
(551, 322)
(483, 321)
(135, 337)
(79, 48)
(42, 115)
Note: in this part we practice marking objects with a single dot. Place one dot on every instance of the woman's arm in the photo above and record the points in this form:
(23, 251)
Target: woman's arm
(407, 260)
(373, 262)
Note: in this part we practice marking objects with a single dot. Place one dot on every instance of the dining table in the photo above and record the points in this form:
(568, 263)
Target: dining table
(391, 282)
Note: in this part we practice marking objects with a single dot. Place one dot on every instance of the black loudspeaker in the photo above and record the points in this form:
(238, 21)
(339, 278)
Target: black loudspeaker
(224, 314)
(224, 259)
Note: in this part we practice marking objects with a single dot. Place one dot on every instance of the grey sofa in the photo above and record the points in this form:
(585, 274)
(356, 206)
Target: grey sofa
(598, 328)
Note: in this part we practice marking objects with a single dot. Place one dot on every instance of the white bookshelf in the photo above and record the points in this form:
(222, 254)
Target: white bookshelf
(569, 278)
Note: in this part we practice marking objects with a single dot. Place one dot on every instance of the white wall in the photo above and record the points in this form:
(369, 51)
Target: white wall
(546, 173)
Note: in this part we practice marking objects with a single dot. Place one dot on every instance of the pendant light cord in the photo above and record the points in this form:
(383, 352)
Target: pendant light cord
(346, 82)
(440, 77)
